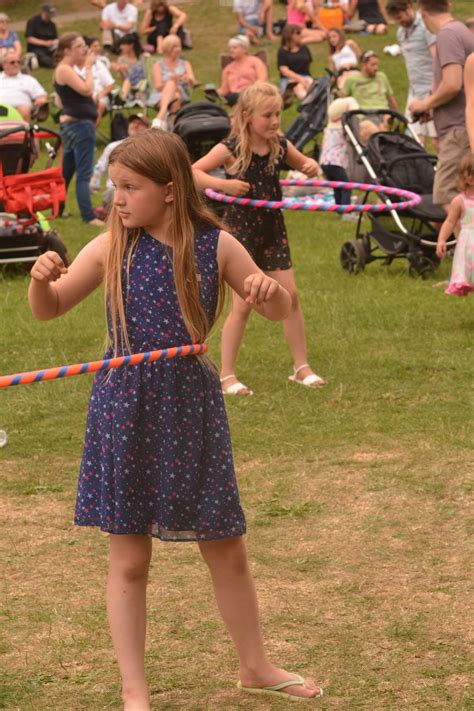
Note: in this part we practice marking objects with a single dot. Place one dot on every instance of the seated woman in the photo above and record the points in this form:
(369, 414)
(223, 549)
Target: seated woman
(372, 12)
(173, 81)
(305, 14)
(8, 38)
(161, 20)
(343, 55)
(294, 60)
(129, 65)
(242, 71)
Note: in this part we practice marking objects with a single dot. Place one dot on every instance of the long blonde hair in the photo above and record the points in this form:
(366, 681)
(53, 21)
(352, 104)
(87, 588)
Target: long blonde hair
(250, 100)
(161, 157)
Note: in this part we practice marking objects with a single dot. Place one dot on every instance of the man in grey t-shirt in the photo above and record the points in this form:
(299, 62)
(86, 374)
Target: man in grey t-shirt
(454, 43)
(418, 49)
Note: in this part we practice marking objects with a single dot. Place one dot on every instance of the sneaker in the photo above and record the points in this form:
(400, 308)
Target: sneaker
(159, 123)
(210, 92)
(100, 213)
(31, 61)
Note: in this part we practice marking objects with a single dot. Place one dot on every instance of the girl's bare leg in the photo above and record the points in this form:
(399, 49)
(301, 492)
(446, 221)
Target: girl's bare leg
(309, 35)
(293, 326)
(129, 560)
(237, 602)
(231, 338)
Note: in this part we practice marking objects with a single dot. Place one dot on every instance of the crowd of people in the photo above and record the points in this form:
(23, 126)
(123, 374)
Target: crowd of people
(140, 64)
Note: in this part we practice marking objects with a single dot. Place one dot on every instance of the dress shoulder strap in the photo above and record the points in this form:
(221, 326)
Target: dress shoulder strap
(231, 143)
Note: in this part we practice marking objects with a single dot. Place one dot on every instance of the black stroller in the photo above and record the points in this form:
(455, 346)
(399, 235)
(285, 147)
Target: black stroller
(24, 230)
(201, 125)
(311, 121)
(392, 156)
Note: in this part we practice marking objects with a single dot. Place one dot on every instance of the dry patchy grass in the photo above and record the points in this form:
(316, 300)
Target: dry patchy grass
(362, 566)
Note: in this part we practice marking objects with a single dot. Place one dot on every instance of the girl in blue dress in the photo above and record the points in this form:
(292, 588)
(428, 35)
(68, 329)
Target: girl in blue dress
(157, 456)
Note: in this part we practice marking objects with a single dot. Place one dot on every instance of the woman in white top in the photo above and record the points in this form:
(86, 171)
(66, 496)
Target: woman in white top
(104, 82)
(343, 55)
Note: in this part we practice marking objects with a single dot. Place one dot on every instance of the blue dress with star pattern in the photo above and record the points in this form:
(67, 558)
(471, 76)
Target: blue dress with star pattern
(157, 455)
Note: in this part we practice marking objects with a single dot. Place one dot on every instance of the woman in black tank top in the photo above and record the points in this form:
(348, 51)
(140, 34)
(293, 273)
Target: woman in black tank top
(161, 20)
(78, 117)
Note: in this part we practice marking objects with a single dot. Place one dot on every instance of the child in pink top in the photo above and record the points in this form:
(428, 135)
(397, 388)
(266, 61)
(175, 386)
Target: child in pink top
(305, 14)
(461, 211)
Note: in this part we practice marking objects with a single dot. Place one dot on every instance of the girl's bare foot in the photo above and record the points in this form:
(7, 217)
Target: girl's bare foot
(136, 700)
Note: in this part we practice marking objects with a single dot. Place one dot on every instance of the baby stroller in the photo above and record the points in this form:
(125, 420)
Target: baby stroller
(312, 119)
(24, 231)
(201, 125)
(392, 156)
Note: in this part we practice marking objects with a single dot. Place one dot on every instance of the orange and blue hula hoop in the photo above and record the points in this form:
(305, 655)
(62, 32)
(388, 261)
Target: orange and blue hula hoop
(411, 199)
(64, 371)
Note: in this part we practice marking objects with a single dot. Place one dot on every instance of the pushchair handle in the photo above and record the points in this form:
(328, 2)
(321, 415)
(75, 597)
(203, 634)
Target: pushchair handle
(373, 112)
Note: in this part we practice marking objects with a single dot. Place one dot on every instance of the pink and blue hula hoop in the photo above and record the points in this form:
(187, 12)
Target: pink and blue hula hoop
(64, 371)
(313, 206)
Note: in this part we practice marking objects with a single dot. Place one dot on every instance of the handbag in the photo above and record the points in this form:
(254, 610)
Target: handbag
(33, 192)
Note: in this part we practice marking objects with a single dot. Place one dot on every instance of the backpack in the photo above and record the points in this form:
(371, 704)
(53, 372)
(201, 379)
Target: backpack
(118, 127)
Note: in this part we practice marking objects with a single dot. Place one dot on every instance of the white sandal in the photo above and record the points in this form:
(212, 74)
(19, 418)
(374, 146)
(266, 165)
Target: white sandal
(236, 388)
(310, 381)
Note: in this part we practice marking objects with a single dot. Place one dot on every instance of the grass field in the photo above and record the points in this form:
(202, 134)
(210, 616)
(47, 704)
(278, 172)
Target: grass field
(358, 496)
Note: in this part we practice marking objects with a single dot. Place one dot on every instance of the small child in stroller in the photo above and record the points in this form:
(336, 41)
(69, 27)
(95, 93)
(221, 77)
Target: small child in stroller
(334, 159)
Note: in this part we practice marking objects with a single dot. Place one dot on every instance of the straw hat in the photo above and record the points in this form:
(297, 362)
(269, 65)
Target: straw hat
(338, 107)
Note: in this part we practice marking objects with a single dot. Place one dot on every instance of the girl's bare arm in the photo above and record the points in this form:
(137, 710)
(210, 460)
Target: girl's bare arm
(449, 225)
(55, 289)
(238, 269)
(217, 157)
(298, 161)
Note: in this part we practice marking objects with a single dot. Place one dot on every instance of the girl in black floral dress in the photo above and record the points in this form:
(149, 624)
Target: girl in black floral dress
(252, 157)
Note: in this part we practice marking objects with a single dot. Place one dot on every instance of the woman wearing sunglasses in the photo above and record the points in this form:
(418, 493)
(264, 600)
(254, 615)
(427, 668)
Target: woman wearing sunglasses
(294, 60)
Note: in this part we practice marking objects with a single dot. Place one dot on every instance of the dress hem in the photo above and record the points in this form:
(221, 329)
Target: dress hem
(156, 532)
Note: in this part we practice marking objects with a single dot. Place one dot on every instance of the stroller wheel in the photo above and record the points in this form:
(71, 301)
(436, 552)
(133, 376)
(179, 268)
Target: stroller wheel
(352, 256)
(421, 266)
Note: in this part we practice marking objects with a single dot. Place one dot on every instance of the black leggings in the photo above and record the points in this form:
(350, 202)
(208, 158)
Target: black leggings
(342, 196)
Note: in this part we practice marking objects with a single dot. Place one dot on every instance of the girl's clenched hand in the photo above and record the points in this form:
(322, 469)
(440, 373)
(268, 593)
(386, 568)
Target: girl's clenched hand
(259, 288)
(48, 267)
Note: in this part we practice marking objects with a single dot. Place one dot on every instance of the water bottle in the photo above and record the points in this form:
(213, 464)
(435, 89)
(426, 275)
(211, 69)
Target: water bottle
(95, 182)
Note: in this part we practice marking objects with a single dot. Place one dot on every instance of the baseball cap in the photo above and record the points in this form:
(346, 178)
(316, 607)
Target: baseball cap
(139, 117)
(50, 9)
(365, 56)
